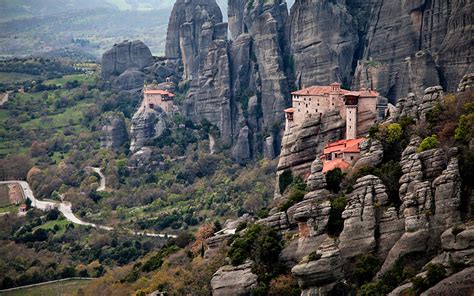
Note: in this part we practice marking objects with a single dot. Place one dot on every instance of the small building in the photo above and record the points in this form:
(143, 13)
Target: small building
(341, 154)
(153, 97)
(23, 208)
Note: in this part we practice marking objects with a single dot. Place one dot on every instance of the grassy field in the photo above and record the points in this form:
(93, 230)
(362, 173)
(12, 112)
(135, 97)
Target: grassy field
(81, 78)
(64, 288)
(9, 77)
(50, 225)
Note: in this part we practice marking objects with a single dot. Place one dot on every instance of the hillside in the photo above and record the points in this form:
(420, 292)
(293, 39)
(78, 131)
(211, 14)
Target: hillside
(238, 147)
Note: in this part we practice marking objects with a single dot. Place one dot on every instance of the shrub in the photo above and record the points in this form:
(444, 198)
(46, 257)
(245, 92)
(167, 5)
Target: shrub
(435, 273)
(333, 179)
(428, 143)
(463, 132)
(295, 197)
(284, 285)
(314, 256)
(366, 266)
(336, 223)
(394, 133)
(285, 180)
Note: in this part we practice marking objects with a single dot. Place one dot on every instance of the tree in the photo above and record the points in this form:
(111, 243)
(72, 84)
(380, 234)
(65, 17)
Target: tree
(333, 179)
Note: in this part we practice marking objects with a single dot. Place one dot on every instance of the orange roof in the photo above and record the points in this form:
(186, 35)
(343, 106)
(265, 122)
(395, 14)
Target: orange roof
(317, 91)
(158, 92)
(346, 146)
(290, 110)
(322, 90)
(335, 163)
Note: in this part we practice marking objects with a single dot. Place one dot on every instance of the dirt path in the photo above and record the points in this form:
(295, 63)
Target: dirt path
(102, 178)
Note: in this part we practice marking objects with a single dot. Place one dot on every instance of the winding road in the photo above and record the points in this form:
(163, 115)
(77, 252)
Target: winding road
(65, 207)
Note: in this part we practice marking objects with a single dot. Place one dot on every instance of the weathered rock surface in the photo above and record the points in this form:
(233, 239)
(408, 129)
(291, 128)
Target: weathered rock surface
(370, 225)
(241, 151)
(123, 56)
(416, 107)
(397, 30)
(234, 280)
(467, 83)
(371, 155)
(147, 124)
(129, 80)
(113, 131)
(461, 283)
(300, 146)
(323, 42)
(319, 276)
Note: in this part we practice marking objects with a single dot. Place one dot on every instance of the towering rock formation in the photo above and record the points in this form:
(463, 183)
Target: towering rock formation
(323, 42)
(147, 124)
(397, 30)
(123, 56)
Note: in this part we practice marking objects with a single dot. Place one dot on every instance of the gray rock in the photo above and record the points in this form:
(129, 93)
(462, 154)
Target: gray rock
(467, 83)
(123, 56)
(371, 155)
(147, 124)
(113, 131)
(241, 151)
(269, 148)
(323, 41)
(129, 80)
(234, 280)
(301, 145)
(461, 283)
(322, 273)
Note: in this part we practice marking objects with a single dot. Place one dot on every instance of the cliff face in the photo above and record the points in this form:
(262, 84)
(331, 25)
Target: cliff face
(397, 30)
(113, 131)
(123, 56)
(396, 47)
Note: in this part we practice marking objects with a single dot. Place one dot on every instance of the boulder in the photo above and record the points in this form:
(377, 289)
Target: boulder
(462, 283)
(131, 79)
(234, 280)
(123, 56)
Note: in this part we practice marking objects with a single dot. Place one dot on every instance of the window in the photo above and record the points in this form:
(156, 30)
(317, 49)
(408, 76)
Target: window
(352, 157)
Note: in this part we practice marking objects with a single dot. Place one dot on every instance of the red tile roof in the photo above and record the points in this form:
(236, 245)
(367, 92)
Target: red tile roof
(322, 90)
(158, 92)
(345, 146)
(317, 90)
(335, 163)
(290, 110)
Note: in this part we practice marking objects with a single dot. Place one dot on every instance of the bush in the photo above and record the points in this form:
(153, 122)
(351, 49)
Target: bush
(285, 180)
(366, 266)
(314, 256)
(284, 285)
(296, 195)
(435, 273)
(333, 180)
(336, 223)
(428, 143)
(394, 133)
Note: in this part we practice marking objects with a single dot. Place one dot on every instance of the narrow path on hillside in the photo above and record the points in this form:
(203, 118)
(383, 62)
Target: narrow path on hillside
(65, 208)
(102, 178)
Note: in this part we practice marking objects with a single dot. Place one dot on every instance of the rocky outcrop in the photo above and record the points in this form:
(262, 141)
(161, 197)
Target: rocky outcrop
(234, 280)
(430, 192)
(131, 79)
(323, 42)
(432, 26)
(416, 107)
(371, 155)
(147, 124)
(319, 277)
(123, 56)
(113, 131)
(462, 282)
(467, 83)
(301, 145)
(241, 150)
(370, 224)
